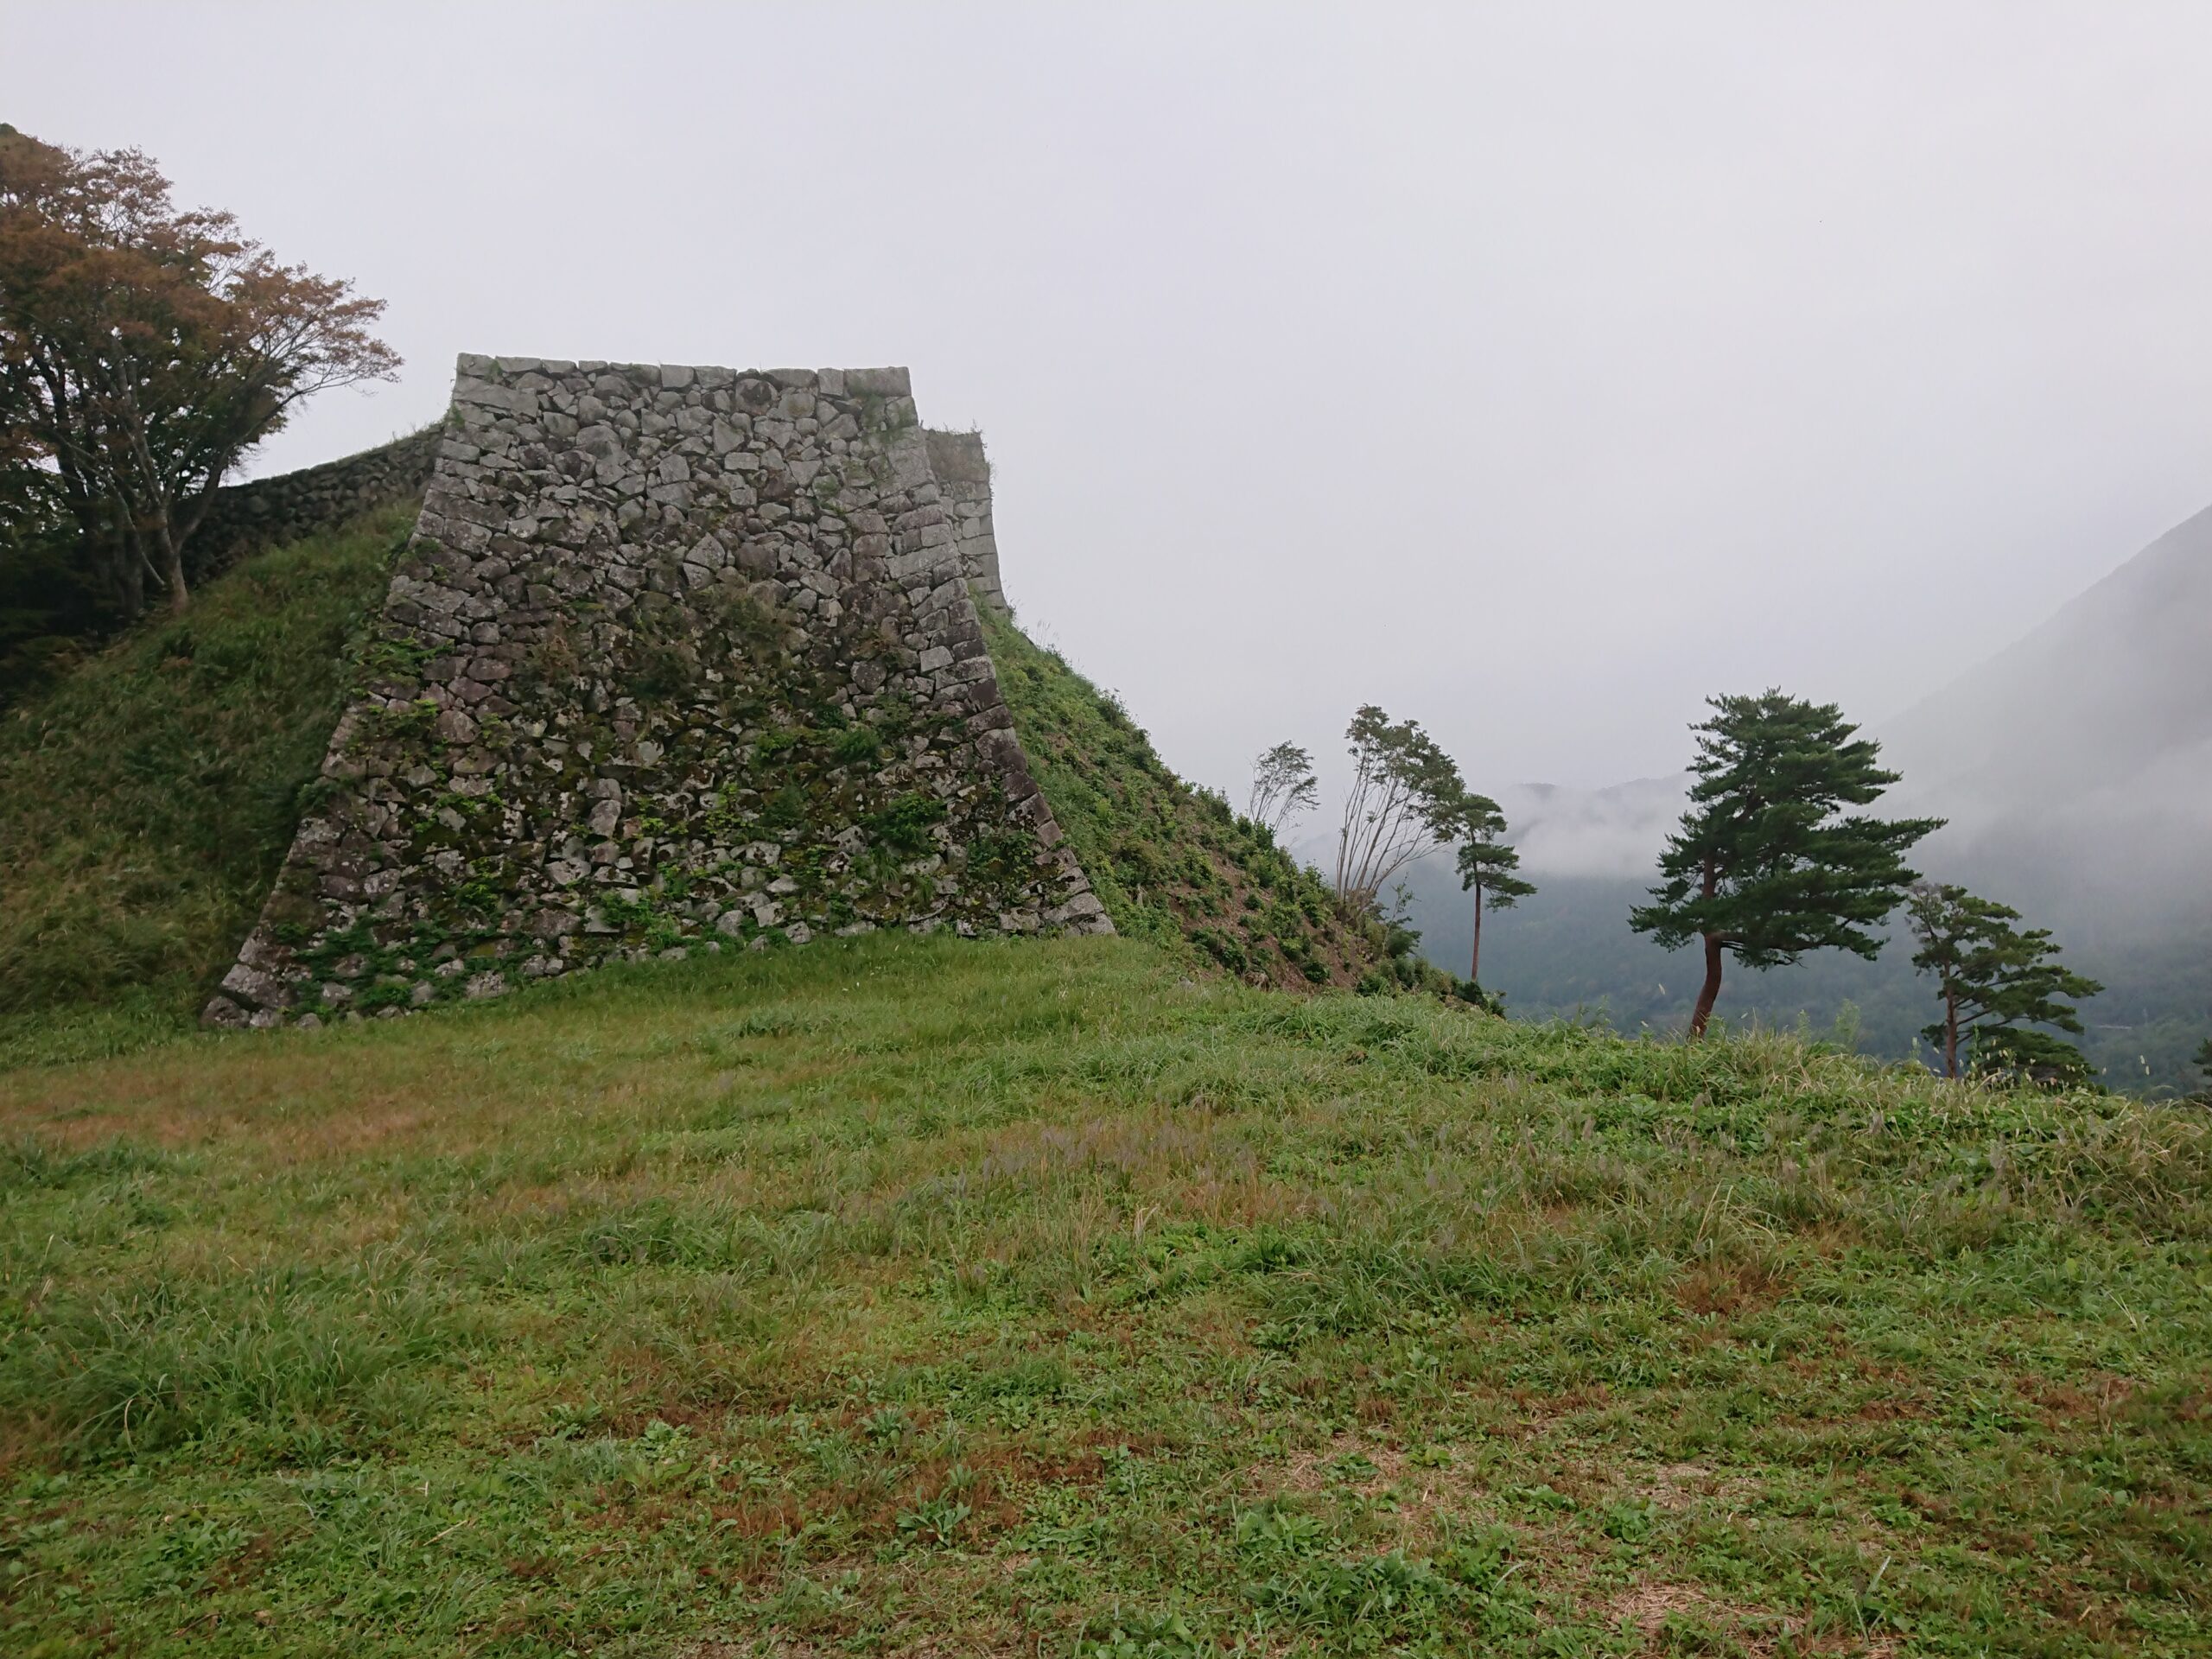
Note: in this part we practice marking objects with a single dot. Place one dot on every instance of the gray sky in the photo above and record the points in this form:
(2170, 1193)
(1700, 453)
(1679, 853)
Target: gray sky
(1532, 369)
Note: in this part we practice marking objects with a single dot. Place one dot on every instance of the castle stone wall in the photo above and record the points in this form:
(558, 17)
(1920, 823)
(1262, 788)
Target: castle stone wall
(678, 659)
(965, 474)
(244, 517)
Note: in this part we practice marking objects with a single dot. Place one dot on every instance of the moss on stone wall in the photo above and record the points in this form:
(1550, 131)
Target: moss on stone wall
(679, 658)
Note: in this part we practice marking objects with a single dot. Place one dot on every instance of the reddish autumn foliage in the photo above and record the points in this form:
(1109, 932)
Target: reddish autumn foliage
(143, 349)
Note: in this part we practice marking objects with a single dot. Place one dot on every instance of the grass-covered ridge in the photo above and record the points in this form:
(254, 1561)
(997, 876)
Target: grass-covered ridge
(148, 798)
(906, 1295)
(1172, 864)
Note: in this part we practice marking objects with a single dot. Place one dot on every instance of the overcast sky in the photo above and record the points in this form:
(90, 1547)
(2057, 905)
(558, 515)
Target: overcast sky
(1532, 369)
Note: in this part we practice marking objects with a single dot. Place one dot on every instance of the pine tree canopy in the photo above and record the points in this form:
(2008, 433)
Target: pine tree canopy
(1996, 981)
(2001, 974)
(1487, 860)
(1766, 865)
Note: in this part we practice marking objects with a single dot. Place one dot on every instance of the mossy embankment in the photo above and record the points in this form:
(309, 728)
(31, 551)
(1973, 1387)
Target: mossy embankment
(148, 798)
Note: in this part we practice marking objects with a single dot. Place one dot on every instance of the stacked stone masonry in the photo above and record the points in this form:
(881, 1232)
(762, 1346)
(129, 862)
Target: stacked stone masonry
(963, 473)
(244, 517)
(678, 659)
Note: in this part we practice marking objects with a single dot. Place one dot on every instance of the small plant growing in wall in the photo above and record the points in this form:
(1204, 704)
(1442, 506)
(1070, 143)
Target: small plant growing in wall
(906, 824)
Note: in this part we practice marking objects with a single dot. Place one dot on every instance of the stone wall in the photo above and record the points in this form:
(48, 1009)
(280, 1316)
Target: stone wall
(244, 517)
(677, 659)
(965, 474)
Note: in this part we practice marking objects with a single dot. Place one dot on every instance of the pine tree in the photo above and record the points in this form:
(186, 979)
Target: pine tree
(1996, 982)
(1764, 866)
(1487, 865)
(2204, 1064)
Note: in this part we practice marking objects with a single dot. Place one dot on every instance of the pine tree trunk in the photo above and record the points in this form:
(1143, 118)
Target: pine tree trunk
(1710, 992)
(1474, 965)
(1951, 1037)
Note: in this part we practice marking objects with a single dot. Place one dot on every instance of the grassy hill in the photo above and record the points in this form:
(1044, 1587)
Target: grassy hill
(903, 1295)
(1172, 864)
(148, 797)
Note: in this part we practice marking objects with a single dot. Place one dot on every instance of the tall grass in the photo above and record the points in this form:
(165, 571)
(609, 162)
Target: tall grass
(898, 1292)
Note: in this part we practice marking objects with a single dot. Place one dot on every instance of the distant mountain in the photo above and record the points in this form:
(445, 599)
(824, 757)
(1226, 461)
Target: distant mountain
(2075, 767)
(2112, 695)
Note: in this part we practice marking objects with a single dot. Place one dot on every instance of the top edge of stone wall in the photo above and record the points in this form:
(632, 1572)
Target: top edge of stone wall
(885, 381)
(285, 506)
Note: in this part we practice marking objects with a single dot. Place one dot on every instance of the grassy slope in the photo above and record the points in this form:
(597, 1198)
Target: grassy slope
(907, 1295)
(147, 799)
(1172, 864)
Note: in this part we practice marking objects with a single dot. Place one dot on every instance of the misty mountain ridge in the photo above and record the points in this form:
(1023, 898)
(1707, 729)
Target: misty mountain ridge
(2074, 768)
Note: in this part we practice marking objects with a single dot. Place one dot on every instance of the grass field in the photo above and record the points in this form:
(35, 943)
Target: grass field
(897, 1295)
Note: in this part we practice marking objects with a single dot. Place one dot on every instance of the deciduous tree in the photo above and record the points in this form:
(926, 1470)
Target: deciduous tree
(1995, 980)
(1407, 800)
(144, 348)
(1766, 867)
(1283, 787)
(1488, 866)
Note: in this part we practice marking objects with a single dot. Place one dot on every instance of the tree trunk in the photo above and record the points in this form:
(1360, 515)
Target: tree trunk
(1475, 966)
(1951, 1036)
(1710, 992)
(172, 564)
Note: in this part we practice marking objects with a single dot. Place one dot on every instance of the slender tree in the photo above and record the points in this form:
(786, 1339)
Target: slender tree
(1488, 866)
(1766, 867)
(2204, 1064)
(1994, 979)
(1283, 787)
(143, 349)
(1407, 800)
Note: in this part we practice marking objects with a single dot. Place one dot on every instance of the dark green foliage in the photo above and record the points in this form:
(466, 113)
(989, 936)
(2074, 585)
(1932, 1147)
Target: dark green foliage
(856, 745)
(1487, 868)
(147, 799)
(1564, 954)
(1765, 866)
(1994, 980)
(51, 611)
(662, 671)
(904, 825)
